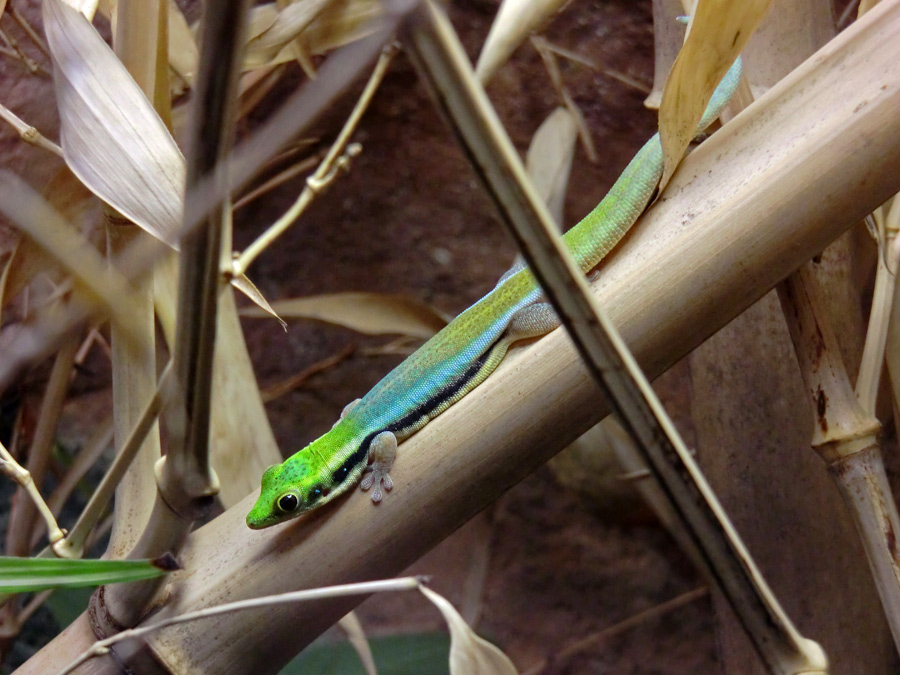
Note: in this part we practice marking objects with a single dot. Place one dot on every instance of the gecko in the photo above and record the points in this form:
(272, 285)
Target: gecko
(362, 444)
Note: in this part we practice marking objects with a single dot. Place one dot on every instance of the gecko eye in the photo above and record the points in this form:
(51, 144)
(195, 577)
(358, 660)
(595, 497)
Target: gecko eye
(288, 502)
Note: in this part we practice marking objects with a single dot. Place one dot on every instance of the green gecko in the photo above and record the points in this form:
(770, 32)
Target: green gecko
(457, 359)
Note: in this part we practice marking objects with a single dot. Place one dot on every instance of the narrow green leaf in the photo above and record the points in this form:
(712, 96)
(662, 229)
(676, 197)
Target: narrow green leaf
(20, 575)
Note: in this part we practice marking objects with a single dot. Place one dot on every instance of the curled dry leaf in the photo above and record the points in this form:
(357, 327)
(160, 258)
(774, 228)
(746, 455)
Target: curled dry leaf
(549, 159)
(356, 636)
(111, 136)
(248, 288)
(341, 23)
(515, 21)
(469, 654)
(370, 313)
(287, 24)
(718, 32)
(319, 25)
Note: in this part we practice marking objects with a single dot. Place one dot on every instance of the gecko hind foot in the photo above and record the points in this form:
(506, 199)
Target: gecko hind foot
(379, 478)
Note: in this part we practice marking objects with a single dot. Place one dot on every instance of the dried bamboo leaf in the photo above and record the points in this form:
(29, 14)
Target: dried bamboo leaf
(86, 7)
(370, 313)
(718, 32)
(183, 52)
(248, 288)
(111, 136)
(341, 23)
(469, 654)
(549, 159)
(356, 636)
(288, 23)
(515, 21)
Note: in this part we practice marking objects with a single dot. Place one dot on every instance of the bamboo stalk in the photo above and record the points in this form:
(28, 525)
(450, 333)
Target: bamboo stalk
(761, 197)
(441, 60)
(845, 435)
(185, 480)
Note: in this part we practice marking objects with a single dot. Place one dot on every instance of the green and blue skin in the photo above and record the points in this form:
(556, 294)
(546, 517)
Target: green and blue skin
(457, 359)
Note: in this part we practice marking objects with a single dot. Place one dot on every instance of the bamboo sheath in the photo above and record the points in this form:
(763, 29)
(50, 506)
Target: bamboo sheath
(805, 162)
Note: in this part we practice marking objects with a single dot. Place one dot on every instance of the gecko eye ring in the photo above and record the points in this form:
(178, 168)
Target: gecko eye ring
(288, 502)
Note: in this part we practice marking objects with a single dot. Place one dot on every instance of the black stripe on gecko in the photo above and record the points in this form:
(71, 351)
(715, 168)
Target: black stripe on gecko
(416, 418)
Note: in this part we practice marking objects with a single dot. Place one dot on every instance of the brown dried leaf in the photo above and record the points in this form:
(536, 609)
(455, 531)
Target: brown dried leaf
(248, 288)
(515, 21)
(549, 159)
(718, 32)
(469, 654)
(183, 52)
(287, 24)
(112, 138)
(370, 313)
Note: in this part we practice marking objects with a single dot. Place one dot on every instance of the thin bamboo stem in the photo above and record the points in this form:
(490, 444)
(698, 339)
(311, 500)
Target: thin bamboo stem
(28, 133)
(23, 512)
(16, 472)
(337, 159)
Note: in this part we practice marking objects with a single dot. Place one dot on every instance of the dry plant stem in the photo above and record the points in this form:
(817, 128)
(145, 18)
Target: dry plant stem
(864, 486)
(272, 392)
(13, 45)
(256, 85)
(134, 387)
(872, 361)
(74, 543)
(547, 54)
(79, 538)
(366, 588)
(439, 56)
(275, 181)
(186, 482)
(29, 31)
(558, 659)
(890, 226)
(23, 511)
(14, 470)
(101, 439)
(134, 373)
(328, 170)
(28, 133)
(758, 199)
(845, 435)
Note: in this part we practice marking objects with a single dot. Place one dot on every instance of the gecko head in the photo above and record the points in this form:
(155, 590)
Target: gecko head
(288, 490)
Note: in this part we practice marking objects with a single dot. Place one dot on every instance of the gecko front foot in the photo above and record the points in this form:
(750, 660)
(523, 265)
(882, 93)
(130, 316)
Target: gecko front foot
(381, 456)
